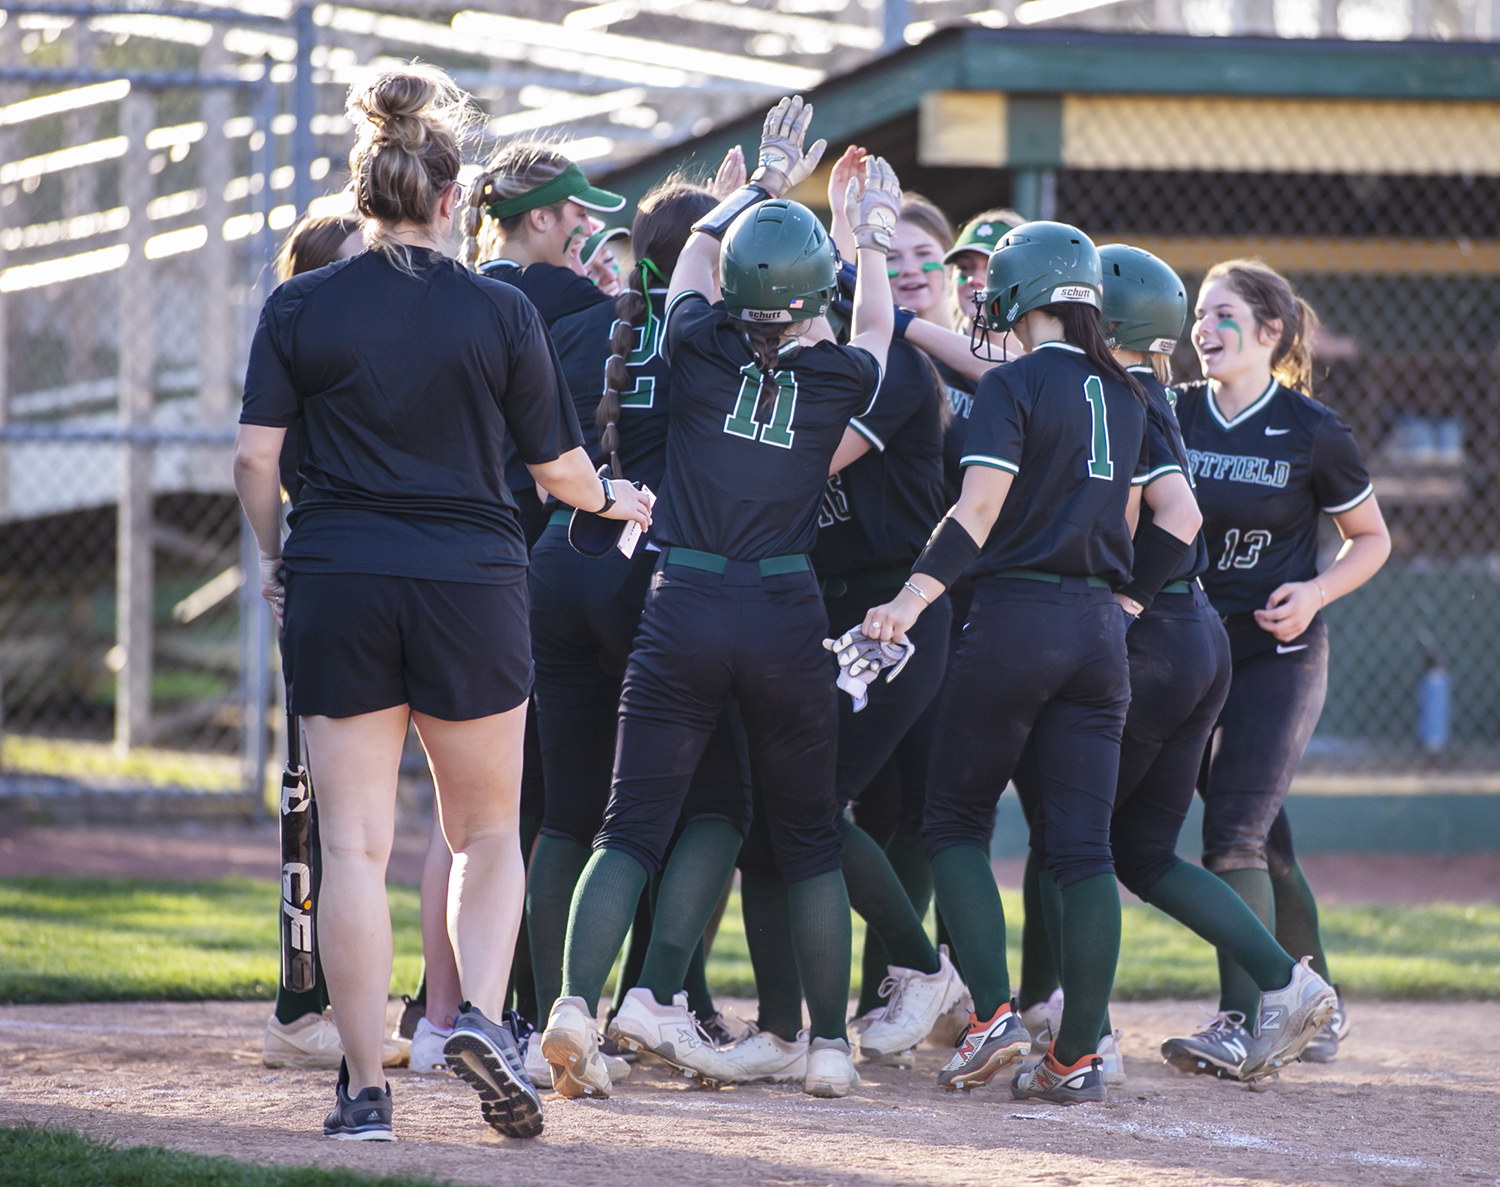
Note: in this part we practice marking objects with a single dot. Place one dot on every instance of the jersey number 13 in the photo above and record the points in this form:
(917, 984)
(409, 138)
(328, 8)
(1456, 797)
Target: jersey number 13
(742, 423)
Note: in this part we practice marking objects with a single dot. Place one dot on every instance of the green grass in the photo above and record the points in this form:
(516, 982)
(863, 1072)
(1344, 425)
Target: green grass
(102, 940)
(70, 758)
(62, 1158)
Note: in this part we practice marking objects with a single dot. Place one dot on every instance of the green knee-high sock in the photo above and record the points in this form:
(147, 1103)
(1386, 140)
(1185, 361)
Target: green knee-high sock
(701, 863)
(555, 869)
(821, 938)
(636, 944)
(909, 861)
(1038, 963)
(1050, 900)
(768, 928)
(1203, 903)
(1090, 950)
(1237, 989)
(872, 971)
(877, 894)
(970, 903)
(603, 907)
(1297, 920)
(700, 1000)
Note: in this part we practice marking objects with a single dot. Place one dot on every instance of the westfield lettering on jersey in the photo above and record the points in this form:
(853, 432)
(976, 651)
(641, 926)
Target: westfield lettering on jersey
(1236, 467)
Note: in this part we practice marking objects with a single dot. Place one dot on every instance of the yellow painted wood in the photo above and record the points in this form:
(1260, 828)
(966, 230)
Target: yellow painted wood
(962, 129)
(1371, 257)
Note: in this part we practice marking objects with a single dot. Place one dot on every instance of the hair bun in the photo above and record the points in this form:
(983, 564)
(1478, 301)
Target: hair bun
(394, 104)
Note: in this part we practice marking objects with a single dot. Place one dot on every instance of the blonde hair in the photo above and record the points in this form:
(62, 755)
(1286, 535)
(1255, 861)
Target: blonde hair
(1271, 298)
(518, 167)
(409, 122)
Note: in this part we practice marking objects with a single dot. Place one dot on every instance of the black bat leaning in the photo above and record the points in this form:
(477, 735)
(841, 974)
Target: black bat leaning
(299, 968)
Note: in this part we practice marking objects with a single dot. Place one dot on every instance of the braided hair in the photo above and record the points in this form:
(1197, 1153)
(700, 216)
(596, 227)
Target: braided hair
(520, 166)
(664, 220)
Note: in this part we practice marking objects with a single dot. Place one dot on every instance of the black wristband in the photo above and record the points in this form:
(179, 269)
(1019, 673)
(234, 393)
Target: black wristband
(717, 220)
(950, 550)
(1157, 552)
(609, 495)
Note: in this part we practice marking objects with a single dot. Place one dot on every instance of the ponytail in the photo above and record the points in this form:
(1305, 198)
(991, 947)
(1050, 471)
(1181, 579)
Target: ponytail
(765, 343)
(1083, 329)
(1271, 298)
(632, 307)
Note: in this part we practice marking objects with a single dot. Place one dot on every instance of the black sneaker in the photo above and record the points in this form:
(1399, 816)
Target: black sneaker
(363, 1118)
(485, 1056)
(718, 1030)
(413, 1010)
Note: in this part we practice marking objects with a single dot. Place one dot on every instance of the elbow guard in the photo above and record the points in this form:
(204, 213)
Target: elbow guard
(717, 220)
(1157, 552)
(950, 550)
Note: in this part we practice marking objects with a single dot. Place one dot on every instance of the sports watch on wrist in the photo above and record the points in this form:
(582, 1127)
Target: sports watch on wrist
(609, 495)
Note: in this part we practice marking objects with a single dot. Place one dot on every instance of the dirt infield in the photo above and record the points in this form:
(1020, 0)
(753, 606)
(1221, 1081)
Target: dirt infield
(1414, 1099)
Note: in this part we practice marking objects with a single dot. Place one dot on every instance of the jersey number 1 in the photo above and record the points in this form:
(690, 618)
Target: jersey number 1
(1100, 465)
(741, 422)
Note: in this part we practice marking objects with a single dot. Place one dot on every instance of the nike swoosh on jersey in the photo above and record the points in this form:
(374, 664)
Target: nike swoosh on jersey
(1282, 649)
(1270, 432)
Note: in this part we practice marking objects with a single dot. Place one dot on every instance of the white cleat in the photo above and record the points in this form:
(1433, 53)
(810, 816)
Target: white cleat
(1289, 1018)
(538, 1070)
(427, 1056)
(1111, 1059)
(915, 1001)
(1042, 1019)
(761, 1057)
(830, 1069)
(951, 1026)
(671, 1033)
(570, 1045)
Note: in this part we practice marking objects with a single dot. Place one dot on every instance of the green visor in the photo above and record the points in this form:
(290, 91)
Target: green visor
(570, 183)
(981, 235)
(598, 239)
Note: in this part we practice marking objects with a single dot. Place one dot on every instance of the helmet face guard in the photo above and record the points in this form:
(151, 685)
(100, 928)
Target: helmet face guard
(1145, 303)
(777, 265)
(1040, 263)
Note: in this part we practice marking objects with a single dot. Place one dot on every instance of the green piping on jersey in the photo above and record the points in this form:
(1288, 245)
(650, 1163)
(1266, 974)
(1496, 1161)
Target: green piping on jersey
(994, 463)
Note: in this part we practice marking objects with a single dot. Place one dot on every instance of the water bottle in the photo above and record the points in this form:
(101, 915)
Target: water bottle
(1434, 697)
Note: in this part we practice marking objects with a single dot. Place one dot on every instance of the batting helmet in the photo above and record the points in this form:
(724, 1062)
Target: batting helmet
(1145, 305)
(776, 264)
(1040, 263)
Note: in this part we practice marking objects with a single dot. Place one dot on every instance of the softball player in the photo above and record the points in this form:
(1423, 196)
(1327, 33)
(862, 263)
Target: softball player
(1267, 459)
(761, 398)
(1056, 447)
(1179, 678)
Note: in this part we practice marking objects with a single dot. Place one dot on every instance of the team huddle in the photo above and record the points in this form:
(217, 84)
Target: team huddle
(783, 548)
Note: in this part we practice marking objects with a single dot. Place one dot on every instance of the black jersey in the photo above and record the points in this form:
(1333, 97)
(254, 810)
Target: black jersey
(878, 511)
(1167, 455)
(1261, 480)
(959, 391)
(557, 293)
(734, 486)
(582, 340)
(1076, 443)
(409, 388)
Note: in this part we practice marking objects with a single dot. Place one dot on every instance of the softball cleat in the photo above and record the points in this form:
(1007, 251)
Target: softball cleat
(1111, 1059)
(673, 1034)
(914, 1003)
(1080, 1084)
(570, 1045)
(1042, 1020)
(1218, 1049)
(986, 1049)
(1323, 1047)
(761, 1057)
(830, 1069)
(1289, 1019)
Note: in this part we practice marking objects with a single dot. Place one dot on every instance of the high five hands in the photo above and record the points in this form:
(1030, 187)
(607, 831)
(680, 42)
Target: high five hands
(783, 163)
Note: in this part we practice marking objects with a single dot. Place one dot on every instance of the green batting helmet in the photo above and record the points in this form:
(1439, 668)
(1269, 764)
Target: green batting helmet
(776, 264)
(1145, 305)
(1040, 263)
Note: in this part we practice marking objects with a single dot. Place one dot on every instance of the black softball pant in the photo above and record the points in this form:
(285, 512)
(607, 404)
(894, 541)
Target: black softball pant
(585, 612)
(1042, 662)
(1275, 699)
(1179, 678)
(706, 637)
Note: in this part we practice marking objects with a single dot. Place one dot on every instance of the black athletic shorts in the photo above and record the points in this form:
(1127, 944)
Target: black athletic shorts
(356, 642)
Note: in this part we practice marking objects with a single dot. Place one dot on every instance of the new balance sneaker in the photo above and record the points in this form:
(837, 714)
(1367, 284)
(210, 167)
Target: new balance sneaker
(914, 1003)
(427, 1056)
(985, 1049)
(1323, 1047)
(1112, 1063)
(570, 1045)
(830, 1069)
(1289, 1018)
(485, 1056)
(364, 1117)
(1080, 1084)
(1042, 1020)
(760, 1057)
(1218, 1049)
(718, 1030)
(671, 1033)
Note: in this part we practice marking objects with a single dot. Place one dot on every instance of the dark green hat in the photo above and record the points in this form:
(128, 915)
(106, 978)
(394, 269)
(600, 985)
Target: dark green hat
(776, 264)
(570, 183)
(1145, 305)
(1036, 264)
(981, 235)
(598, 239)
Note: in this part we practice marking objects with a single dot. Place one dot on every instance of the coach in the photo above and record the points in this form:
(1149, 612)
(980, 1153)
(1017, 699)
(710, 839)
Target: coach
(402, 584)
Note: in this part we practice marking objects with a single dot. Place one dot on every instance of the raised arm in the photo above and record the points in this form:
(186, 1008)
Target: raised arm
(952, 348)
(872, 204)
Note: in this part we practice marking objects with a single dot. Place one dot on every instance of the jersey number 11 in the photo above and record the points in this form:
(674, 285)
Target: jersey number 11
(742, 423)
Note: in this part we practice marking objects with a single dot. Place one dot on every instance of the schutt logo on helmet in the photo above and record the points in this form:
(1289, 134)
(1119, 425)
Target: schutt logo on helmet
(1075, 292)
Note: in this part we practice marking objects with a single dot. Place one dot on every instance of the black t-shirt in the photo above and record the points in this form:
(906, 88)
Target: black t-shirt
(1167, 455)
(557, 293)
(582, 341)
(1076, 443)
(959, 391)
(1261, 480)
(878, 511)
(734, 486)
(409, 386)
